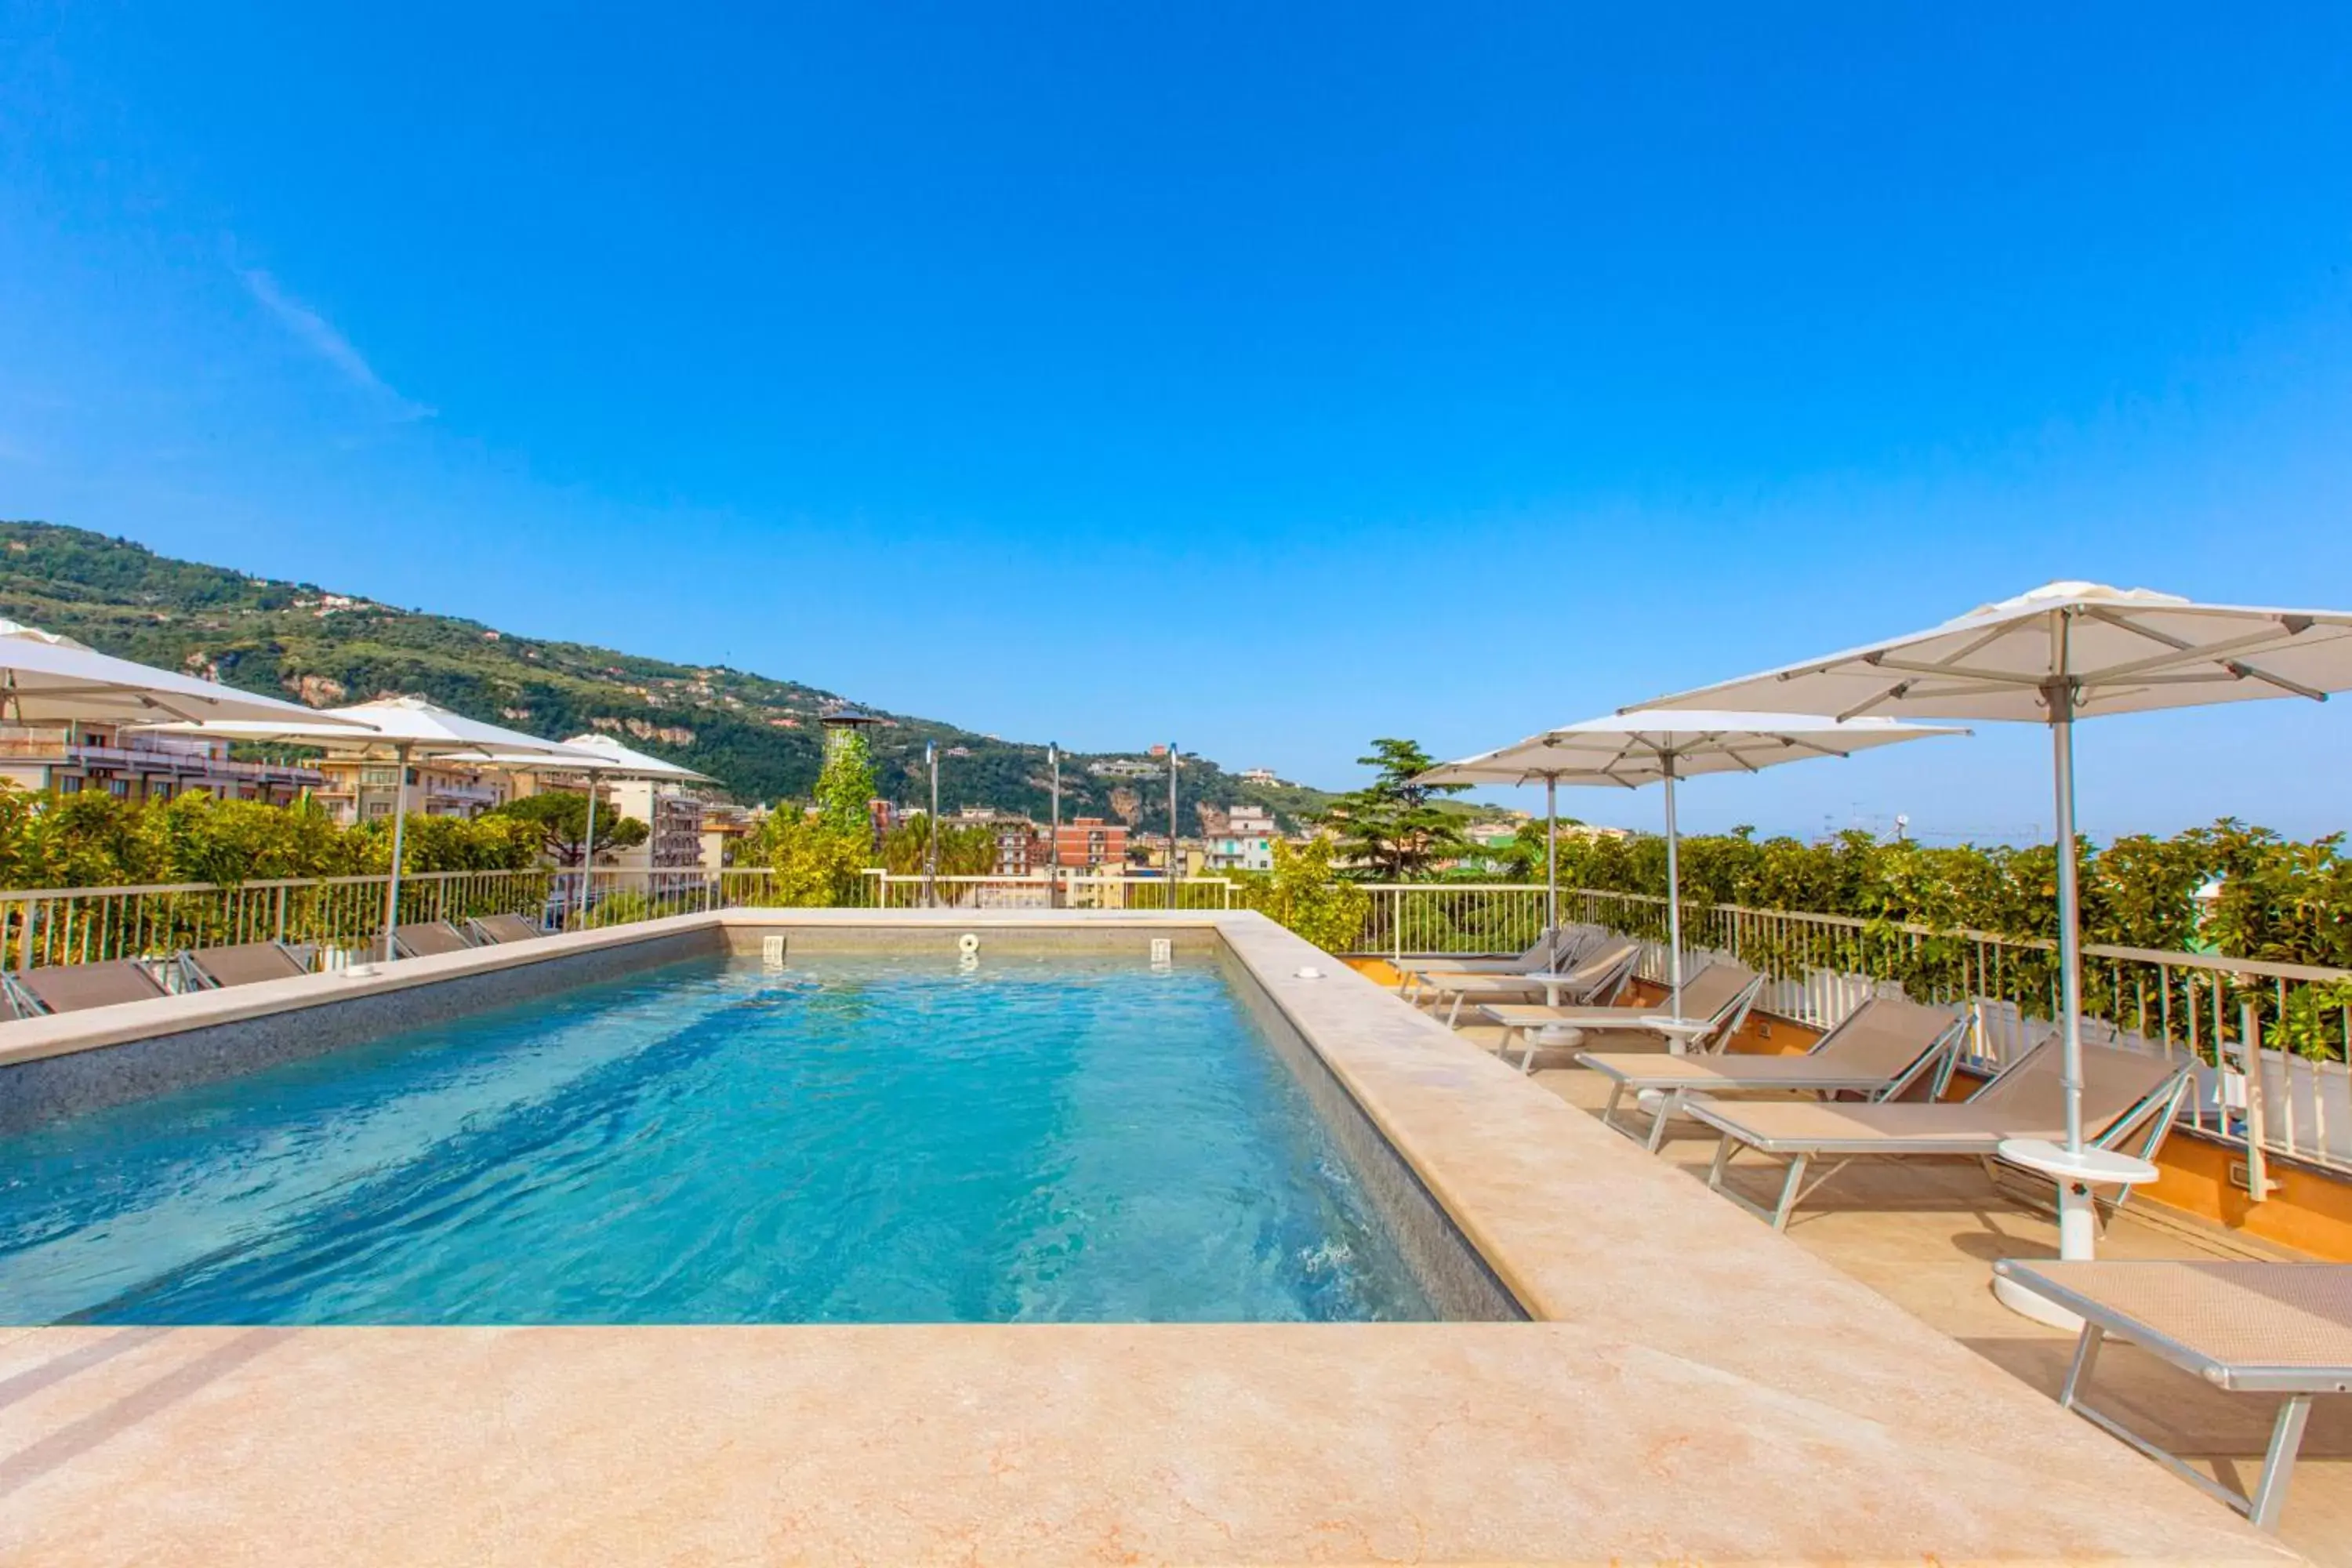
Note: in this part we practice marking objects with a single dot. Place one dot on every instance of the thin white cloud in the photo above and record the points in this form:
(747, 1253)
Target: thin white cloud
(319, 336)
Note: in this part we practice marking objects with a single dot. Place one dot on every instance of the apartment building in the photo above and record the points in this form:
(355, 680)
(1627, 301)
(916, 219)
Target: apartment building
(1090, 845)
(356, 792)
(136, 765)
(1020, 849)
(1247, 844)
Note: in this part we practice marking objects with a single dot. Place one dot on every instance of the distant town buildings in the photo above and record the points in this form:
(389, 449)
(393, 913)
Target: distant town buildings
(360, 791)
(673, 815)
(135, 765)
(1258, 776)
(1246, 842)
(1124, 768)
(723, 829)
(1090, 845)
(1020, 849)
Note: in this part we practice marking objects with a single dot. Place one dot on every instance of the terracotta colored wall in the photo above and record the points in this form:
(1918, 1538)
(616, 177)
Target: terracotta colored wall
(2310, 1211)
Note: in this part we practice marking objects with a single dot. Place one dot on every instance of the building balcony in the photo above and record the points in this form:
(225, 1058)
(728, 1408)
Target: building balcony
(181, 759)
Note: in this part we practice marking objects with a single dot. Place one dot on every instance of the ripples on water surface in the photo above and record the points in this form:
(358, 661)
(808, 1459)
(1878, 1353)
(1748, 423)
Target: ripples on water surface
(851, 1141)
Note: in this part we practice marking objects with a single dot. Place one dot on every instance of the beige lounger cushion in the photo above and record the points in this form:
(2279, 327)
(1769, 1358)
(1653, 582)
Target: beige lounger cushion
(246, 962)
(1535, 957)
(70, 987)
(508, 928)
(1886, 1037)
(2237, 1314)
(424, 938)
(2028, 1101)
(1801, 1125)
(1655, 1070)
(1705, 996)
(1536, 1015)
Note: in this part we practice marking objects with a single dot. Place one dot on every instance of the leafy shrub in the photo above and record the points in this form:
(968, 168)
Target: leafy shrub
(1306, 894)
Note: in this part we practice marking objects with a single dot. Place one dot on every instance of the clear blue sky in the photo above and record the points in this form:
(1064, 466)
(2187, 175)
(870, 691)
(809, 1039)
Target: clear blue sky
(1267, 377)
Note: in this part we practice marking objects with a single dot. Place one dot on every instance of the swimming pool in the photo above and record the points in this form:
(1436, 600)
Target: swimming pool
(853, 1138)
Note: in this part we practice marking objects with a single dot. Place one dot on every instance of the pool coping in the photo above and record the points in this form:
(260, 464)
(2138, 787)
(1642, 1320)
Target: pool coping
(1694, 1386)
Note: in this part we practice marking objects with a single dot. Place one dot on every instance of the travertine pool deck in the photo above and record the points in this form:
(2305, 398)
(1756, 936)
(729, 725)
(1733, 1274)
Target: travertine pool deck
(1922, 1235)
(1695, 1388)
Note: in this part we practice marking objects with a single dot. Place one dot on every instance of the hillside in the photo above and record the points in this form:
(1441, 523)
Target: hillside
(759, 737)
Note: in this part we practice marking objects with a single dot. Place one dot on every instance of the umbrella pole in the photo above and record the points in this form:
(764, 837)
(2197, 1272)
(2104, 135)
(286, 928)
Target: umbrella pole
(588, 854)
(399, 825)
(1551, 860)
(1674, 896)
(2070, 915)
(2077, 1217)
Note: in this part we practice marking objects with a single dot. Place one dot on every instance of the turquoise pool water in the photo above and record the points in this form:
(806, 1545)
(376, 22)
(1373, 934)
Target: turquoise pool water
(855, 1140)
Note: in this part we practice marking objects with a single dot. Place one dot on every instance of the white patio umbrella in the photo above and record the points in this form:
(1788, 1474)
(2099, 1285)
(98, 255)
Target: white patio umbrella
(2063, 652)
(599, 756)
(1636, 747)
(400, 728)
(45, 678)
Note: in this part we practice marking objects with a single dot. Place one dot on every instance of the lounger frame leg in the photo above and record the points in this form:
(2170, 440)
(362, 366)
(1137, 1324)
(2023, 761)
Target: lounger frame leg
(2087, 1358)
(1776, 1217)
(1788, 1190)
(1669, 1106)
(1793, 1190)
(1723, 1152)
(1609, 1112)
(2278, 1462)
(2267, 1500)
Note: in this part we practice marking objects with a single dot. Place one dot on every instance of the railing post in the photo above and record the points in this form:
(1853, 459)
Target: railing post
(2250, 1039)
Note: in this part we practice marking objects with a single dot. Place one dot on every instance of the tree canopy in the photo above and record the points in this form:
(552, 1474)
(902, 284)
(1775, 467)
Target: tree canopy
(1393, 830)
(560, 820)
(89, 839)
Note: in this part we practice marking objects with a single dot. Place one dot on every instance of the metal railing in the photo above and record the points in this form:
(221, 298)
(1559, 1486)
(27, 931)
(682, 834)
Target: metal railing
(47, 926)
(2224, 1014)
(1041, 891)
(2270, 1042)
(340, 914)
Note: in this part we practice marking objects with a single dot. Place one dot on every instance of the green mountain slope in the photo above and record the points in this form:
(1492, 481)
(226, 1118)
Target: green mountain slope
(758, 737)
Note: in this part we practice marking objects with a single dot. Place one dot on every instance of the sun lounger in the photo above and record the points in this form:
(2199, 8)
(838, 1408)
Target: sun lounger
(1548, 954)
(423, 939)
(2124, 1093)
(242, 963)
(2246, 1328)
(1887, 1048)
(1595, 979)
(1714, 1003)
(491, 930)
(70, 987)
